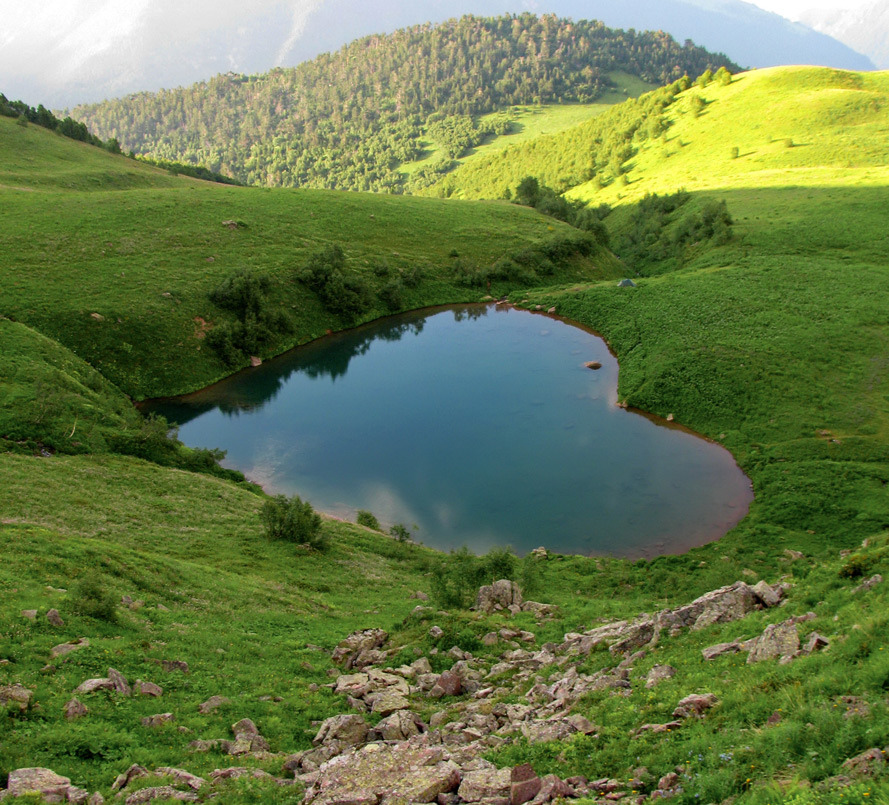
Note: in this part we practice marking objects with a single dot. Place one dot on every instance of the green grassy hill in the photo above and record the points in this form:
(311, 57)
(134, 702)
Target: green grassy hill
(772, 338)
(116, 259)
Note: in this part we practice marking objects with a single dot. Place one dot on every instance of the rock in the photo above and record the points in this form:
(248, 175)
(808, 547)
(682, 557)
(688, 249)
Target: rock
(255, 361)
(448, 683)
(133, 773)
(419, 596)
(657, 729)
(485, 784)
(547, 731)
(524, 784)
(712, 652)
(96, 799)
(160, 792)
(793, 555)
(29, 614)
(873, 581)
(385, 774)
(348, 729)
(66, 648)
(867, 764)
(92, 685)
(815, 642)
(212, 704)
(500, 595)
(695, 705)
(626, 283)
(247, 738)
(634, 636)
(490, 639)
(400, 726)
(157, 720)
(658, 674)
(435, 632)
(770, 596)
(17, 695)
(174, 665)
(594, 365)
(540, 610)
(150, 689)
(119, 681)
(552, 788)
(422, 666)
(540, 553)
(45, 782)
(779, 640)
(75, 709)
(668, 781)
(349, 651)
(387, 702)
(54, 618)
(182, 777)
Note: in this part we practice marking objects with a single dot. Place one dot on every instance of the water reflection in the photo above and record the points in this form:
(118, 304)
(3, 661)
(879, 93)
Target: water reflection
(481, 425)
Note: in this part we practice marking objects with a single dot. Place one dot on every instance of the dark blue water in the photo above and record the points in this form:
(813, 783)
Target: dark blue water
(475, 426)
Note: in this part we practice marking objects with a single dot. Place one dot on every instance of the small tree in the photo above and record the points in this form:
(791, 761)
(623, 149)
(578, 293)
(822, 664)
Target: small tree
(92, 598)
(368, 520)
(294, 520)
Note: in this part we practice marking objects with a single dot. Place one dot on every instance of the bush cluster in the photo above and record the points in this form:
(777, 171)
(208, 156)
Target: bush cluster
(341, 292)
(294, 520)
(457, 577)
(245, 293)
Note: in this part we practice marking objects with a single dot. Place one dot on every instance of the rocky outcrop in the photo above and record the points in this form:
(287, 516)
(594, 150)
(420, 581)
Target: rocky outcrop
(498, 596)
(361, 649)
(66, 648)
(46, 783)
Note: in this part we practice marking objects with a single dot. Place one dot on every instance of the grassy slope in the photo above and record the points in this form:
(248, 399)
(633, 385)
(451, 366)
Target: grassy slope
(115, 259)
(776, 343)
(531, 122)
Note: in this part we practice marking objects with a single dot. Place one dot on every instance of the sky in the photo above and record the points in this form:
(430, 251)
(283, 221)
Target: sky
(59, 51)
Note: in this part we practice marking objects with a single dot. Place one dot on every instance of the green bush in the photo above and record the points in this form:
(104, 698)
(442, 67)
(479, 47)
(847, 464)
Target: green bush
(856, 566)
(368, 520)
(91, 597)
(294, 520)
(400, 532)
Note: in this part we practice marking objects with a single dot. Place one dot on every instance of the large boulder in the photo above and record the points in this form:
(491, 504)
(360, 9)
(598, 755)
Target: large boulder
(400, 726)
(695, 705)
(348, 729)
(15, 695)
(486, 783)
(498, 596)
(386, 774)
(50, 786)
(778, 641)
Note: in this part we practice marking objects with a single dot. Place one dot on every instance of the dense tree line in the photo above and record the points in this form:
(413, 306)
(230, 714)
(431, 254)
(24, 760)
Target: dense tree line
(348, 120)
(67, 127)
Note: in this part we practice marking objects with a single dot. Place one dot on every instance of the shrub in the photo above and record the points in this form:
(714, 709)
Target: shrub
(400, 532)
(91, 597)
(855, 566)
(294, 520)
(368, 520)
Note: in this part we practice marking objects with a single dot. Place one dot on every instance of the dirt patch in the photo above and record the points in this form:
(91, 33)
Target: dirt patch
(202, 328)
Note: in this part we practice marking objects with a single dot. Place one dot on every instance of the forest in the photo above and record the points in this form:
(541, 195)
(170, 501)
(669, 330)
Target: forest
(349, 120)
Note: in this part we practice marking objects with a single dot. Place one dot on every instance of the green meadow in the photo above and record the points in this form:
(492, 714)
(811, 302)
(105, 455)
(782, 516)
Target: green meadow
(772, 340)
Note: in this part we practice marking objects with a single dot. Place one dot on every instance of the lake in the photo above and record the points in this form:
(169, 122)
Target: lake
(473, 425)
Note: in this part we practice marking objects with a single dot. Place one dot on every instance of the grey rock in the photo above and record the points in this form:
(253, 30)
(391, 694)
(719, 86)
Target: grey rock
(75, 709)
(157, 720)
(66, 648)
(712, 652)
(658, 674)
(55, 618)
(119, 681)
(348, 729)
(16, 695)
(146, 795)
(29, 614)
(500, 595)
(92, 685)
(182, 777)
(213, 703)
(485, 784)
(51, 786)
(778, 641)
(524, 784)
(695, 705)
(134, 772)
(348, 651)
(400, 726)
(815, 642)
(149, 689)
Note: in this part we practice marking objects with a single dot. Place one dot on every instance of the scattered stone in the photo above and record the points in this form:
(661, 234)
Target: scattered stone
(360, 649)
(873, 581)
(75, 709)
(855, 707)
(46, 783)
(30, 614)
(540, 553)
(17, 695)
(133, 773)
(160, 792)
(626, 283)
(92, 685)
(658, 674)
(594, 365)
(524, 784)
(712, 652)
(486, 783)
(435, 632)
(815, 642)
(448, 683)
(419, 596)
(778, 641)
(668, 781)
(347, 729)
(657, 729)
(54, 618)
(212, 704)
(695, 705)
(498, 596)
(400, 726)
(66, 648)
(174, 665)
(867, 764)
(793, 555)
(247, 738)
(389, 701)
(119, 682)
(182, 777)
(157, 720)
(150, 689)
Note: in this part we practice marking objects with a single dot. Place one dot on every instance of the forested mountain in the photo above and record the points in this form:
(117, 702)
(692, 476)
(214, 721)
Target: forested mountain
(350, 119)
